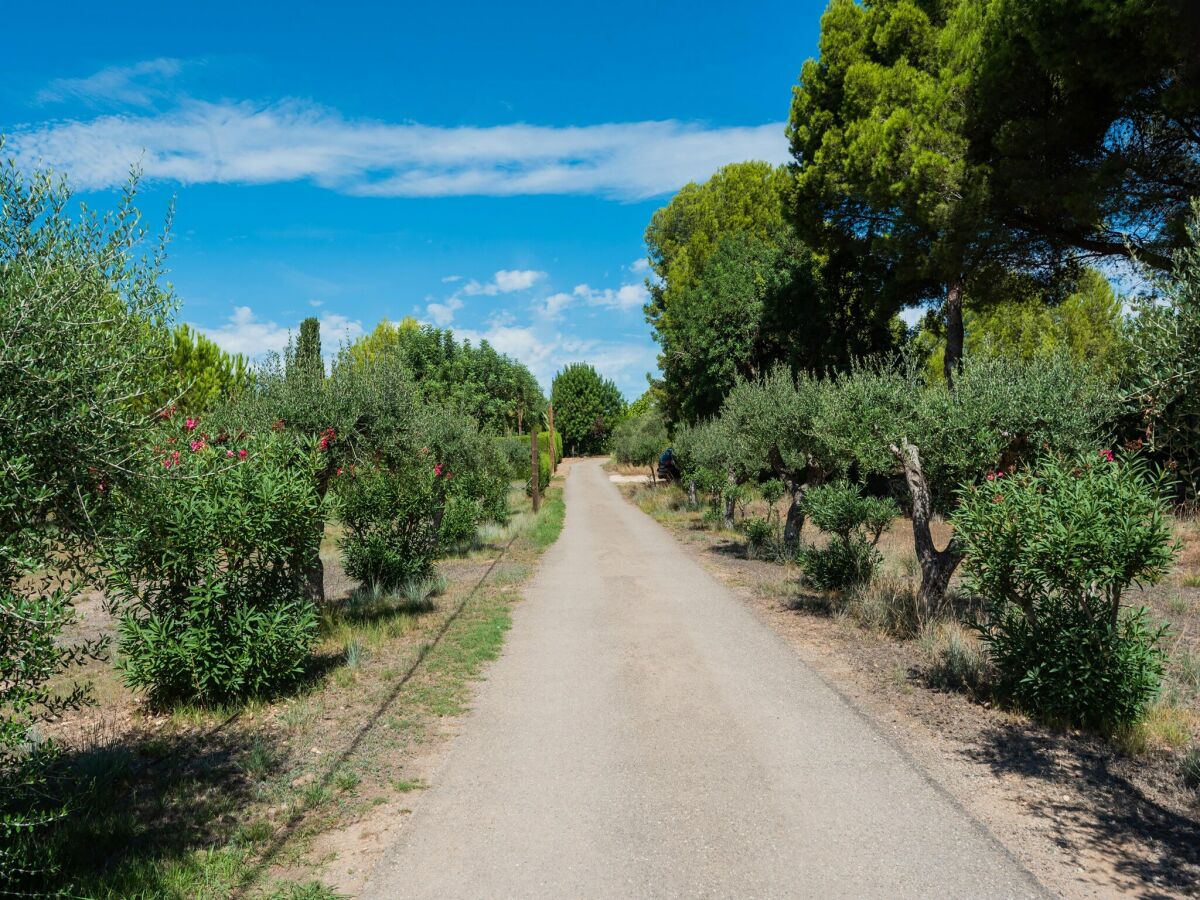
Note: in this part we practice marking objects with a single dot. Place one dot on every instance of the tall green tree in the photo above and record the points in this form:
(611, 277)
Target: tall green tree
(878, 133)
(307, 358)
(497, 391)
(196, 374)
(736, 291)
(587, 407)
(1086, 116)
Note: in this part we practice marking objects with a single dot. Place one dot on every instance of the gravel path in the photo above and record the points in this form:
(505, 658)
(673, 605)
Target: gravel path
(643, 735)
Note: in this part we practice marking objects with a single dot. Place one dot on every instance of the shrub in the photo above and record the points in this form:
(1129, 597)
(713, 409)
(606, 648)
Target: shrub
(514, 451)
(544, 443)
(854, 524)
(761, 538)
(207, 566)
(544, 474)
(392, 522)
(460, 521)
(1051, 550)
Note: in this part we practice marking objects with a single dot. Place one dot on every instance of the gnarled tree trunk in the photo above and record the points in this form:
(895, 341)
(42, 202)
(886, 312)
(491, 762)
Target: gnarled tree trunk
(936, 565)
(793, 525)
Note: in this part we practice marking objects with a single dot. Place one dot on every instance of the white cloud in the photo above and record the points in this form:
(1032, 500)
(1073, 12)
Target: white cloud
(442, 314)
(136, 85)
(316, 302)
(243, 332)
(640, 265)
(628, 296)
(449, 279)
(554, 305)
(505, 282)
(250, 143)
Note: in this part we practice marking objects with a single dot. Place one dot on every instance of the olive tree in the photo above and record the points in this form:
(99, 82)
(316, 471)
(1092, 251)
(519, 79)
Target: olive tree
(885, 419)
(638, 440)
(771, 426)
(82, 314)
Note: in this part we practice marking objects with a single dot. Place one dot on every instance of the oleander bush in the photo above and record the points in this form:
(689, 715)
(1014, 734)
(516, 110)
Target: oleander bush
(206, 565)
(1052, 549)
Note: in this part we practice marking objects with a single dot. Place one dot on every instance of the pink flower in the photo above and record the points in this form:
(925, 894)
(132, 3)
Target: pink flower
(197, 446)
(242, 453)
(437, 471)
(1107, 455)
(991, 476)
(228, 454)
(339, 471)
(328, 436)
(190, 424)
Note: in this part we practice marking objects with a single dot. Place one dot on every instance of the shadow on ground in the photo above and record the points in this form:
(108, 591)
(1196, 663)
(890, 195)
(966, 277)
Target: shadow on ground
(1115, 815)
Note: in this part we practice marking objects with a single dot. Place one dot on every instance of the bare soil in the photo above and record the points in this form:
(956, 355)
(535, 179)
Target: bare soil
(1086, 817)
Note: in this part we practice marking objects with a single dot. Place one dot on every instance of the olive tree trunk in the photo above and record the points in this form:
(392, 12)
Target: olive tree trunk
(793, 525)
(730, 499)
(936, 565)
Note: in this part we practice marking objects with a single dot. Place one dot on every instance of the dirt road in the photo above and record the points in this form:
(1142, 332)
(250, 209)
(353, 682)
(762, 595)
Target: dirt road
(643, 735)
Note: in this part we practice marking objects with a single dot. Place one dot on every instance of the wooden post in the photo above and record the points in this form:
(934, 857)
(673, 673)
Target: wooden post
(533, 481)
(553, 448)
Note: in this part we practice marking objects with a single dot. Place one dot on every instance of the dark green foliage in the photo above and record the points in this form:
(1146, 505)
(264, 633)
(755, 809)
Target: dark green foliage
(1077, 668)
(1052, 550)
(1085, 114)
(737, 292)
(586, 408)
(81, 316)
(206, 566)
(854, 524)
(307, 360)
(391, 520)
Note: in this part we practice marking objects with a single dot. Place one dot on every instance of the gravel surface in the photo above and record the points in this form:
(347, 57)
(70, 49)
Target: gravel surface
(644, 734)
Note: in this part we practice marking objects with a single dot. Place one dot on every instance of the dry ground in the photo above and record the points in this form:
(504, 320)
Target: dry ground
(1089, 817)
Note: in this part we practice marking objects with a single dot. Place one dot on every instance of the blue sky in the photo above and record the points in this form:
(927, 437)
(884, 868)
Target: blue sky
(487, 167)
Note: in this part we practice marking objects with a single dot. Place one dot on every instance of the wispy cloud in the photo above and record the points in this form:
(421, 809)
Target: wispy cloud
(442, 313)
(136, 85)
(248, 143)
(627, 296)
(243, 332)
